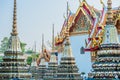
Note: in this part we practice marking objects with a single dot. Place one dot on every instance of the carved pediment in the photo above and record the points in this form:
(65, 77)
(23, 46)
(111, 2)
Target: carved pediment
(82, 24)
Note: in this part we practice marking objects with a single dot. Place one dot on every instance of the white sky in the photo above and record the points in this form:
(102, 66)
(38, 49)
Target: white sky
(35, 17)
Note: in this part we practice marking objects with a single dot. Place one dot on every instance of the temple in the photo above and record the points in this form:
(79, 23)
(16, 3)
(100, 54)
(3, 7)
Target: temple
(107, 62)
(33, 67)
(67, 69)
(53, 64)
(14, 65)
(41, 69)
(88, 21)
(102, 28)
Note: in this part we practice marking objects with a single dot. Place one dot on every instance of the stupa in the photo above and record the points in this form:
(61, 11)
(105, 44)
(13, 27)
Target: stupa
(14, 65)
(67, 69)
(107, 64)
(33, 67)
(41, 69)
(52, 65)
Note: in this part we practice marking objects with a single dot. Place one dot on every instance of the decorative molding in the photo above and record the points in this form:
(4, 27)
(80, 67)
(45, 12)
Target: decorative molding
(82, 25)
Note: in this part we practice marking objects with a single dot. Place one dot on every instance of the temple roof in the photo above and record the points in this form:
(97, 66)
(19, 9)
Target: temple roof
(89, 11)
(101, 28)
(97, 19)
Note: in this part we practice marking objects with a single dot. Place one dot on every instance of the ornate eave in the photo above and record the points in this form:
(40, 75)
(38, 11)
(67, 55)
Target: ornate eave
(83, 11)
(76, 19)
(100, 27)
(59, 39)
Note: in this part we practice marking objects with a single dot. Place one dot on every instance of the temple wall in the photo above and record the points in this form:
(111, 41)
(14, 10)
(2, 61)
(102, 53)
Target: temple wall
(83, 60)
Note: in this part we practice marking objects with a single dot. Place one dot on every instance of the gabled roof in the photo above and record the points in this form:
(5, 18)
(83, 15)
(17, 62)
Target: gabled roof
(102, 23)
(85, 9)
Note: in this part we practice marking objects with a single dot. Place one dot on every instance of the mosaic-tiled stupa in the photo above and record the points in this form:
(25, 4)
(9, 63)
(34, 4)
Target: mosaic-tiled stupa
(14, 65)
(107, 64)
(53, 64)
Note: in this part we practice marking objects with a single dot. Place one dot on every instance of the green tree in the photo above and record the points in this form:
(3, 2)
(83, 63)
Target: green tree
(23, 45)
(29, 51)
(4, 44)
(32, 57)
(29, 60)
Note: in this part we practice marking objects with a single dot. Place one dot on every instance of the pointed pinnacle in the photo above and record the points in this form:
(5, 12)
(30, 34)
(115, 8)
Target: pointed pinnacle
(53, 38)
(109, 13)
(14, 30)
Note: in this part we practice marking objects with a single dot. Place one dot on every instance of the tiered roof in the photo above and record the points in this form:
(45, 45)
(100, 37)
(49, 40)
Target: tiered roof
(95, 21)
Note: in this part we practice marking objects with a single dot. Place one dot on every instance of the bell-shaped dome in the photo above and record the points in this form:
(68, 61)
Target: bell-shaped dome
(14, 44)
(110, 35)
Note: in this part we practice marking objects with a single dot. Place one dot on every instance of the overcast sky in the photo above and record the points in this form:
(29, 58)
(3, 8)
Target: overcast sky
(35, 17)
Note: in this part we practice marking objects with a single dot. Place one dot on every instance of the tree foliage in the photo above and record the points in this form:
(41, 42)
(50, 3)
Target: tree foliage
(29, 60)
(29, 51)
(32, 57)
(4, 44)
(23, 45)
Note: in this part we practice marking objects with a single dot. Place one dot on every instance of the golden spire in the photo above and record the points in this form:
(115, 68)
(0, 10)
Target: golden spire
(67, 29)
(67, 50)
(42, 43)
(14, 30)
(67, 37)
(109, 13)
(53, 38)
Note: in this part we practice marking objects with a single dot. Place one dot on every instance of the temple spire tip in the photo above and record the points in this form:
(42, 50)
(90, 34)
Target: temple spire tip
(14, 28)
(42, 43)
(109, 12)
(53, 42)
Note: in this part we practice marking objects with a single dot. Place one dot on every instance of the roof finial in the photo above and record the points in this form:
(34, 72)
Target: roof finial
(53, 38)
(109, 13)
(67, 29)
(14, 30)
(68, 51)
